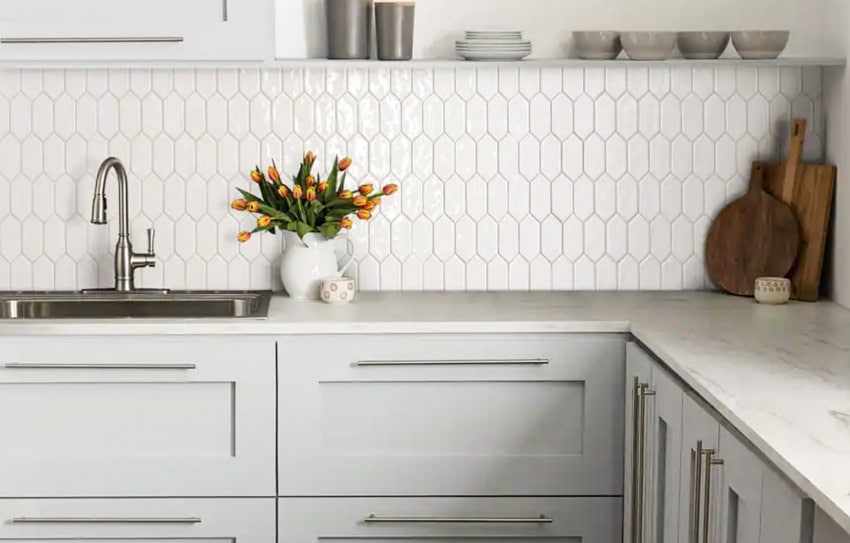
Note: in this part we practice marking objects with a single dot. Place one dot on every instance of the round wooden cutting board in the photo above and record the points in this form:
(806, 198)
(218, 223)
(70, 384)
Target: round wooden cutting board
(754, 236)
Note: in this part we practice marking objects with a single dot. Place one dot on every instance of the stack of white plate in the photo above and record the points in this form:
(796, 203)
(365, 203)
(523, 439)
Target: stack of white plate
(493, 45)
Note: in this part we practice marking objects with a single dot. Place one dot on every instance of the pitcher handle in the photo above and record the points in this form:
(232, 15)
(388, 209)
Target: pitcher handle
(349, 245)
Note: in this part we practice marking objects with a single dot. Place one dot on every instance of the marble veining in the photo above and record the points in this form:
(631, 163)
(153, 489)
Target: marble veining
(779, 374)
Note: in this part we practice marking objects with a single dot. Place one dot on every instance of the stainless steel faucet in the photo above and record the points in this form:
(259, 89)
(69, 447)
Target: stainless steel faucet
(126, 261)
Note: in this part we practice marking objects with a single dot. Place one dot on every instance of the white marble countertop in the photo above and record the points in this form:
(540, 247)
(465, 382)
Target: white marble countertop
(780, 375)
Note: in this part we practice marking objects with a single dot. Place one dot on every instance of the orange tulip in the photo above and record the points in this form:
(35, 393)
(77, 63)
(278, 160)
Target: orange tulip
(359, 201)
(345, 222)
(243, 237)
(253, 207)
(311, 180)
(377, 200)
(256, 175)
(239, 204)
(364, 215)
(344, 194)
(309, 158)
(370, 205)
(390, 189)
(297, 191)
(283, 191)
(274, 175)
(366, 189)
(264, 221)
(311, 194)
(323, 186)
(344, 164)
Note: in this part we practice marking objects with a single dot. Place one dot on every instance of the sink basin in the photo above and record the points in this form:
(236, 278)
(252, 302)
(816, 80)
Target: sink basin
(115, 305)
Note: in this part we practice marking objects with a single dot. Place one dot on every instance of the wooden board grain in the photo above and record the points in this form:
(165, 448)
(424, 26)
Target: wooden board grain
(811, 201)
(754, 236)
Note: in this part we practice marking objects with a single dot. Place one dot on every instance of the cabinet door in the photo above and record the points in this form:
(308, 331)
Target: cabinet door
(740, 488)
(137, 417)
(238, 520)
(638, 379)
(786, 516)
(451, 415)
(137, 30)
(665, 429)
(700, 433)
(419, 520)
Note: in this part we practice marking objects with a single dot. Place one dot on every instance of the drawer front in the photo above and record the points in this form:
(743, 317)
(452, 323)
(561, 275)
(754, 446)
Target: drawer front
(237, 520)
(413, 520)
(451, 415)
(137, 417)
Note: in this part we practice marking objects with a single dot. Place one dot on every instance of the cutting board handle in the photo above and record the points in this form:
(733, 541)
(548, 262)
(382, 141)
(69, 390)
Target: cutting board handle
(792, 164)
(757, 175)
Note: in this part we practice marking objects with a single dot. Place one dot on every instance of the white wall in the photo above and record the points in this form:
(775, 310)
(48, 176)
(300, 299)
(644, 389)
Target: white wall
(837, 112)
(549, 22)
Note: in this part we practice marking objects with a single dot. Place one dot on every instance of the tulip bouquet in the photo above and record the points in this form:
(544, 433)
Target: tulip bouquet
(309, 204)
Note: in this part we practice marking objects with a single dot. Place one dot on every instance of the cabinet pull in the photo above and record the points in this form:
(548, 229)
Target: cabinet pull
(88, 366)
(696, 483)
(709, 462)
(645, 392)
(465, 362)
(374, 519)
(93, 39)
(637, 389)
(106, 520)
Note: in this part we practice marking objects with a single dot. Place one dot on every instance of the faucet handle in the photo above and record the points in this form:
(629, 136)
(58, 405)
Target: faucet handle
(151, 239)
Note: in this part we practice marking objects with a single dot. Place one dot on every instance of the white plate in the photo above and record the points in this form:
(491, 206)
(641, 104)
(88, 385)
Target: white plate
(493, 33)
(492, 42)
(485, 49)
(494, 55)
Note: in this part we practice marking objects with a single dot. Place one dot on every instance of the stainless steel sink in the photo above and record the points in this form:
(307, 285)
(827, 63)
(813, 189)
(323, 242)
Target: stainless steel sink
(116, 305)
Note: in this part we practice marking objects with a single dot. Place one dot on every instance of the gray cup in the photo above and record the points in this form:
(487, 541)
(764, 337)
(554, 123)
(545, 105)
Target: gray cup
(349, 28)
(394, 28)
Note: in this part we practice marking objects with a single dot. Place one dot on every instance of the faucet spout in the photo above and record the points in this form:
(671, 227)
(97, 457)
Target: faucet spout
(126, 261)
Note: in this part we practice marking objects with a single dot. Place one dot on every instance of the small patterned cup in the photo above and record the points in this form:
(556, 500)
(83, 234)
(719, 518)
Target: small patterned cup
(337, 290)
(772, 290)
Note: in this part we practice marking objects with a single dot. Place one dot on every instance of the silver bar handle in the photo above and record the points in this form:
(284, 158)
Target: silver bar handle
(375, 519)
(696, 483)
(92, 366)
(106, 520)
(151, 240)
(641, 465)
(95, 39)
(463, 362)
(709, 462)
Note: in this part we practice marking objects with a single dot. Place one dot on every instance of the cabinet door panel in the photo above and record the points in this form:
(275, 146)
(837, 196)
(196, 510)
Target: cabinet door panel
(451, 415)
(239, 520)
(665, 466)
(137, 417)
(786, 517)
(639, 368)
(571, 520)
(242, 29)
(740, 487)
(698, 426)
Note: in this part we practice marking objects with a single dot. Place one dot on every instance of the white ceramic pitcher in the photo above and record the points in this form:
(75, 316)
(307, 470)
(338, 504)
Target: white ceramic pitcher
(306, 262)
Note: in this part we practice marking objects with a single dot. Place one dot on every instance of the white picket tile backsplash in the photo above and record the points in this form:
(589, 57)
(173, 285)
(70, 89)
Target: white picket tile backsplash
(511, 178)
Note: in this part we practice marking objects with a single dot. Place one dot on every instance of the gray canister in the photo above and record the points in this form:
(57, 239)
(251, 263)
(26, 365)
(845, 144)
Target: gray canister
(349, 28)
(394, 27)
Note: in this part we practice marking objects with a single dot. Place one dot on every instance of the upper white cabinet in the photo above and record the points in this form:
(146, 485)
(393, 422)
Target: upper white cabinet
(483, 415)
(137, 30)
(95, 417)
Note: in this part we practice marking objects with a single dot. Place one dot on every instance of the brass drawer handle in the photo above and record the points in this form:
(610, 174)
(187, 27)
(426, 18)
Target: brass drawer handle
(463, 362)
(374, 519)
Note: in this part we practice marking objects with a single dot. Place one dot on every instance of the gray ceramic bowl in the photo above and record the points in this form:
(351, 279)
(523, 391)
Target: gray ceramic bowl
(648, 45)
(597, 45)
(702, 45)
(760, 44)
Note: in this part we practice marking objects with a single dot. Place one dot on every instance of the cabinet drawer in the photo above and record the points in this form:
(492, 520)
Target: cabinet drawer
(237, 520)
(451, 415)
(578, 520)
(137, 417)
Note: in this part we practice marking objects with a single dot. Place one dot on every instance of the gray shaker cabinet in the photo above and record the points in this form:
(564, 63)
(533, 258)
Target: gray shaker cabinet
(698, 481)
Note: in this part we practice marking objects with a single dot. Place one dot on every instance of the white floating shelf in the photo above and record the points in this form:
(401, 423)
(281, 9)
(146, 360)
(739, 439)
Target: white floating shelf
(433, 63)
